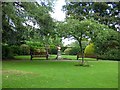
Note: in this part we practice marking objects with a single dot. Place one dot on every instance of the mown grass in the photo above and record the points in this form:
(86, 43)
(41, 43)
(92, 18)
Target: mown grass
(51, 57)
(58, 74)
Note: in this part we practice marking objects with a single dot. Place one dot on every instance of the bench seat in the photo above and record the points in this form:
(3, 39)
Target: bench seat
(39, 54)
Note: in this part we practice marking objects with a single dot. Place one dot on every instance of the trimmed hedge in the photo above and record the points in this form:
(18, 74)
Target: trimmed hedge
(90, 49)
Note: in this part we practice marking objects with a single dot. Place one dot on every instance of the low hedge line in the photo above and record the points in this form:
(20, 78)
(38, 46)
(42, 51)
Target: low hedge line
(8, 52)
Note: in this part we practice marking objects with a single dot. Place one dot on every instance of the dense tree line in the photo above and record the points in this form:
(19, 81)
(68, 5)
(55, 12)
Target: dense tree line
(22, 20)
(25, 22)
(103, 30)
(105, 12)
(31, 23)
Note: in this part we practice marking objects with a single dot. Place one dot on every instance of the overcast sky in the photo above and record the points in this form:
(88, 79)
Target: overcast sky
(58, 13)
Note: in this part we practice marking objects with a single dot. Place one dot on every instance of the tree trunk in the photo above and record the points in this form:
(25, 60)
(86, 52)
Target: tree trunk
(81, 52)
(80, 44)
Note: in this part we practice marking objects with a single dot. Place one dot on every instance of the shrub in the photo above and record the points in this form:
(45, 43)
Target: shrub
(112, 54)
(89, 50)
(34, 44)
(107, 44)
(71, 51)
(7, 52)
(63, 49)
(53, 50)
(74, 51)
(67, 51)
(25, 49)
(16, 50)
(40, 50)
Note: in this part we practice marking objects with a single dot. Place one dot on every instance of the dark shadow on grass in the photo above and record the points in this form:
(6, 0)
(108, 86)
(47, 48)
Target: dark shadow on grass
(87, 65)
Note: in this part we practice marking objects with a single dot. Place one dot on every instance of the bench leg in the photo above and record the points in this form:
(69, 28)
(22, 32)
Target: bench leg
(77, 57)
(46, 57)
(31, 57)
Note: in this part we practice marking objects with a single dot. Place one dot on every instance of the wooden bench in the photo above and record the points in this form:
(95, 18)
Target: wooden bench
(34, 54)
(86, 56)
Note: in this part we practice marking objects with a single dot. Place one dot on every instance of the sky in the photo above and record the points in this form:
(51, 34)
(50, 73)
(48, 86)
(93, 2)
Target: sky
(59, 15)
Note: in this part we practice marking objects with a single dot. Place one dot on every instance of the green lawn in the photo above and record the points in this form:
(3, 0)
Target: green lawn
(52, 57)
(59, 74)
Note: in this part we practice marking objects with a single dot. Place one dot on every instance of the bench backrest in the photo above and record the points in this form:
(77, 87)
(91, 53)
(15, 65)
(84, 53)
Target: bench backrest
(39, 53)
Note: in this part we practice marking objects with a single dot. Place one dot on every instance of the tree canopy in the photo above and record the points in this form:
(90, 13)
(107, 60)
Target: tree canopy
(23, 20)
(104, 12)
(31, 22)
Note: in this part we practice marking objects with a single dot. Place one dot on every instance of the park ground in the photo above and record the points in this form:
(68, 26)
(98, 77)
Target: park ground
(59, 74)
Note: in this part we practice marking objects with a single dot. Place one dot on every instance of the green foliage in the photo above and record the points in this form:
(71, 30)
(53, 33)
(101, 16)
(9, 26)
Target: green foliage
(80, 30)
(67, 51)
(7, 52)
(25, 49)
(71, 51)
(16, 50)
(74, 48)
(107, 43)
(104, 12)
(39, 49)
(56, 41)
(42, 50)
(112, 54)
(12, 23)
(90, 49)
(53, 50)
(34, 44)
(16, 17)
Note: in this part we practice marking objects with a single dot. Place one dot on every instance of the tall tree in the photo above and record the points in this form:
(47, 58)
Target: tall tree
(11, 23)
(23, 20)
(104, 12)
(80, 30)
(107, 44)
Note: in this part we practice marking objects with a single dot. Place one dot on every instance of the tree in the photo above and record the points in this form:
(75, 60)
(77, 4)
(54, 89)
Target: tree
(104, 12)
(17, 17)
(80, 30)
(10, 24)
(25, 21)
(74, 48)
(107, 45)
